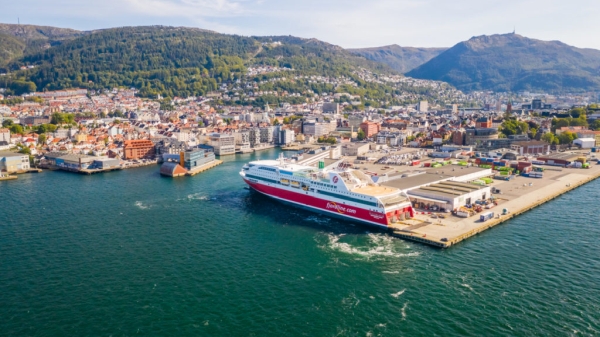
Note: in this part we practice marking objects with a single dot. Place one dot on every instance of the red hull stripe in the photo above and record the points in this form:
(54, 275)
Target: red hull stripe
(354, 213)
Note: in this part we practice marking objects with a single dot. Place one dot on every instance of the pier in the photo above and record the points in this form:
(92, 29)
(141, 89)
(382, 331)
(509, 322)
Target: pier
(203, 168)
(517, 198)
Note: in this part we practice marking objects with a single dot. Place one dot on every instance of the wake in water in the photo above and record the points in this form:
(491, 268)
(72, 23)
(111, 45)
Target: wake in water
(140, 205)
(398, 294)
(197, 196)
(379, 246)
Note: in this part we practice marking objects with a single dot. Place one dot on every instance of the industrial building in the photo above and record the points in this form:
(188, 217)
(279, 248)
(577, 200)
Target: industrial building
(449, 195)
(14, 162)
(559, 159)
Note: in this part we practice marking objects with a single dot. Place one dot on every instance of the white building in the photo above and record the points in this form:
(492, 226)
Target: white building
(223, 144)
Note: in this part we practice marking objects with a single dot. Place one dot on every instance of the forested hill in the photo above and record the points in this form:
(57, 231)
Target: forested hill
(18, 40)
(402, 59)
(511, 62)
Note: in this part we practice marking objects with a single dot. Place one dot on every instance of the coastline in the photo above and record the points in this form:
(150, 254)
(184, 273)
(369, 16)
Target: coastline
(432, 234)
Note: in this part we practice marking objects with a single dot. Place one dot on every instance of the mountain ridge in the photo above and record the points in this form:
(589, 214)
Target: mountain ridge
(402, 59)
(511, 62)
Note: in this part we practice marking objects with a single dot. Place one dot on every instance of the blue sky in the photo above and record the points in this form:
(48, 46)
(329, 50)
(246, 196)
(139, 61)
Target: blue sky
(348, 23)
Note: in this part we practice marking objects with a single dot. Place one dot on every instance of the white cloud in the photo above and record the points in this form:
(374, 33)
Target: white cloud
(349, 23)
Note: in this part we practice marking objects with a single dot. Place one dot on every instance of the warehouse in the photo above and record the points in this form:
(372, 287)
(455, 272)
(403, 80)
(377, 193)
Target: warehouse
(448, 195)
(559, 159)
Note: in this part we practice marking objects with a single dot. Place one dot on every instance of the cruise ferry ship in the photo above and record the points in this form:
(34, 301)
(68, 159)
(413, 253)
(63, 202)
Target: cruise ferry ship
(341, 192)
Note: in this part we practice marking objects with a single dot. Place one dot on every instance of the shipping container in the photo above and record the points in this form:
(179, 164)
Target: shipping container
(415, 163)
(486, 216)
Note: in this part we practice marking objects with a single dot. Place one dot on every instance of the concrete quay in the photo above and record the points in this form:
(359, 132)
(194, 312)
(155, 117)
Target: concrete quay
(204, 167)
(517, 197)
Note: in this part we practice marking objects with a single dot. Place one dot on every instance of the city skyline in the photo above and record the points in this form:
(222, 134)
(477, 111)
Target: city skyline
(350, 24)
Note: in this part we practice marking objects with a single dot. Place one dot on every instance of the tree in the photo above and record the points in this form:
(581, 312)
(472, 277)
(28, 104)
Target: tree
(566, 137)
(22, 87)
(25, 150)
(16, 129)
(7, 123)
(276, 121)
(42, 139)
(533, 132)
(595, 125)
(548, 137)
(360, 135)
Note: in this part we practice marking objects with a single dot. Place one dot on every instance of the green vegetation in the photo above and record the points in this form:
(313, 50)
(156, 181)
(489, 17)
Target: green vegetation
(62, 118)
(511, 62)
(170, 61)
(360, 135)
(327, 140)
(16, 129)
(514, 127)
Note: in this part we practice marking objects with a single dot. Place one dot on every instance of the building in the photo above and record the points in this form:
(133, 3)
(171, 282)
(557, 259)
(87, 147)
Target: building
(530, 147)
(286, 137)
(423, 106)
(355, 149)
(580, 134)
(169, 146)
(266, 134)
(477, 137)
(369, 128)
(4, 135)
(172, 169)
(448, 195)
(559, 159)
(483, 123)
(75, 161)
(106, 163)
(332, 108)
(585, 143)
(62, 94)
(316, 129)
(223, 144)
(392, 138)
(139, 148)
(14, 162)
(458, 137)
(35, 120)
(354, 121)
(196, 157)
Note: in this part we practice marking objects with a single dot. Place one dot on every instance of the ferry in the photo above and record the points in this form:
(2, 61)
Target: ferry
(341, 192)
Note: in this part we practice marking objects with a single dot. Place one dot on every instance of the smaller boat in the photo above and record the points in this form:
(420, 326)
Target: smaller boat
(295, 183)
(285, 181)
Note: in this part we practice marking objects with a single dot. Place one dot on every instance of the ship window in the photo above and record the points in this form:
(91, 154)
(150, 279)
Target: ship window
(339, 196)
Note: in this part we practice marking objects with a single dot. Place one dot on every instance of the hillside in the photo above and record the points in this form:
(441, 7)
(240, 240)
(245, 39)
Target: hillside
(401, 59)
(17, 40)
(511, 62)
(177, 61)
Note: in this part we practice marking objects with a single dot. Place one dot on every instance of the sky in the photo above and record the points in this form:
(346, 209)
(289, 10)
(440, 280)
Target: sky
(347, 23)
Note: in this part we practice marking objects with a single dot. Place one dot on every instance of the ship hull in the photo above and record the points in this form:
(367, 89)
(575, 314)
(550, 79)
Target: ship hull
(302, 200)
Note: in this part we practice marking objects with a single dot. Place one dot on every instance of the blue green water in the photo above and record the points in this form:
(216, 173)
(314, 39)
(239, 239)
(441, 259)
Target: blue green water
(132, 253)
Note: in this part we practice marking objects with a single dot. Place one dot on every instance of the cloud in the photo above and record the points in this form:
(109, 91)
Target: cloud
(348, 23)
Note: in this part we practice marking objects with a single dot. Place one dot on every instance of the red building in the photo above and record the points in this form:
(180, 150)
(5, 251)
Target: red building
(136, 149)
(369, 128)
(483, 123)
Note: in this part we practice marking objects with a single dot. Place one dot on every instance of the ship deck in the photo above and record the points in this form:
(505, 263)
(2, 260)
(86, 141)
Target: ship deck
(375, 191)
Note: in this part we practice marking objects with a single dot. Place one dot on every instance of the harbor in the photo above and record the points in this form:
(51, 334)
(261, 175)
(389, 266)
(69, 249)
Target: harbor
(517, 197)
